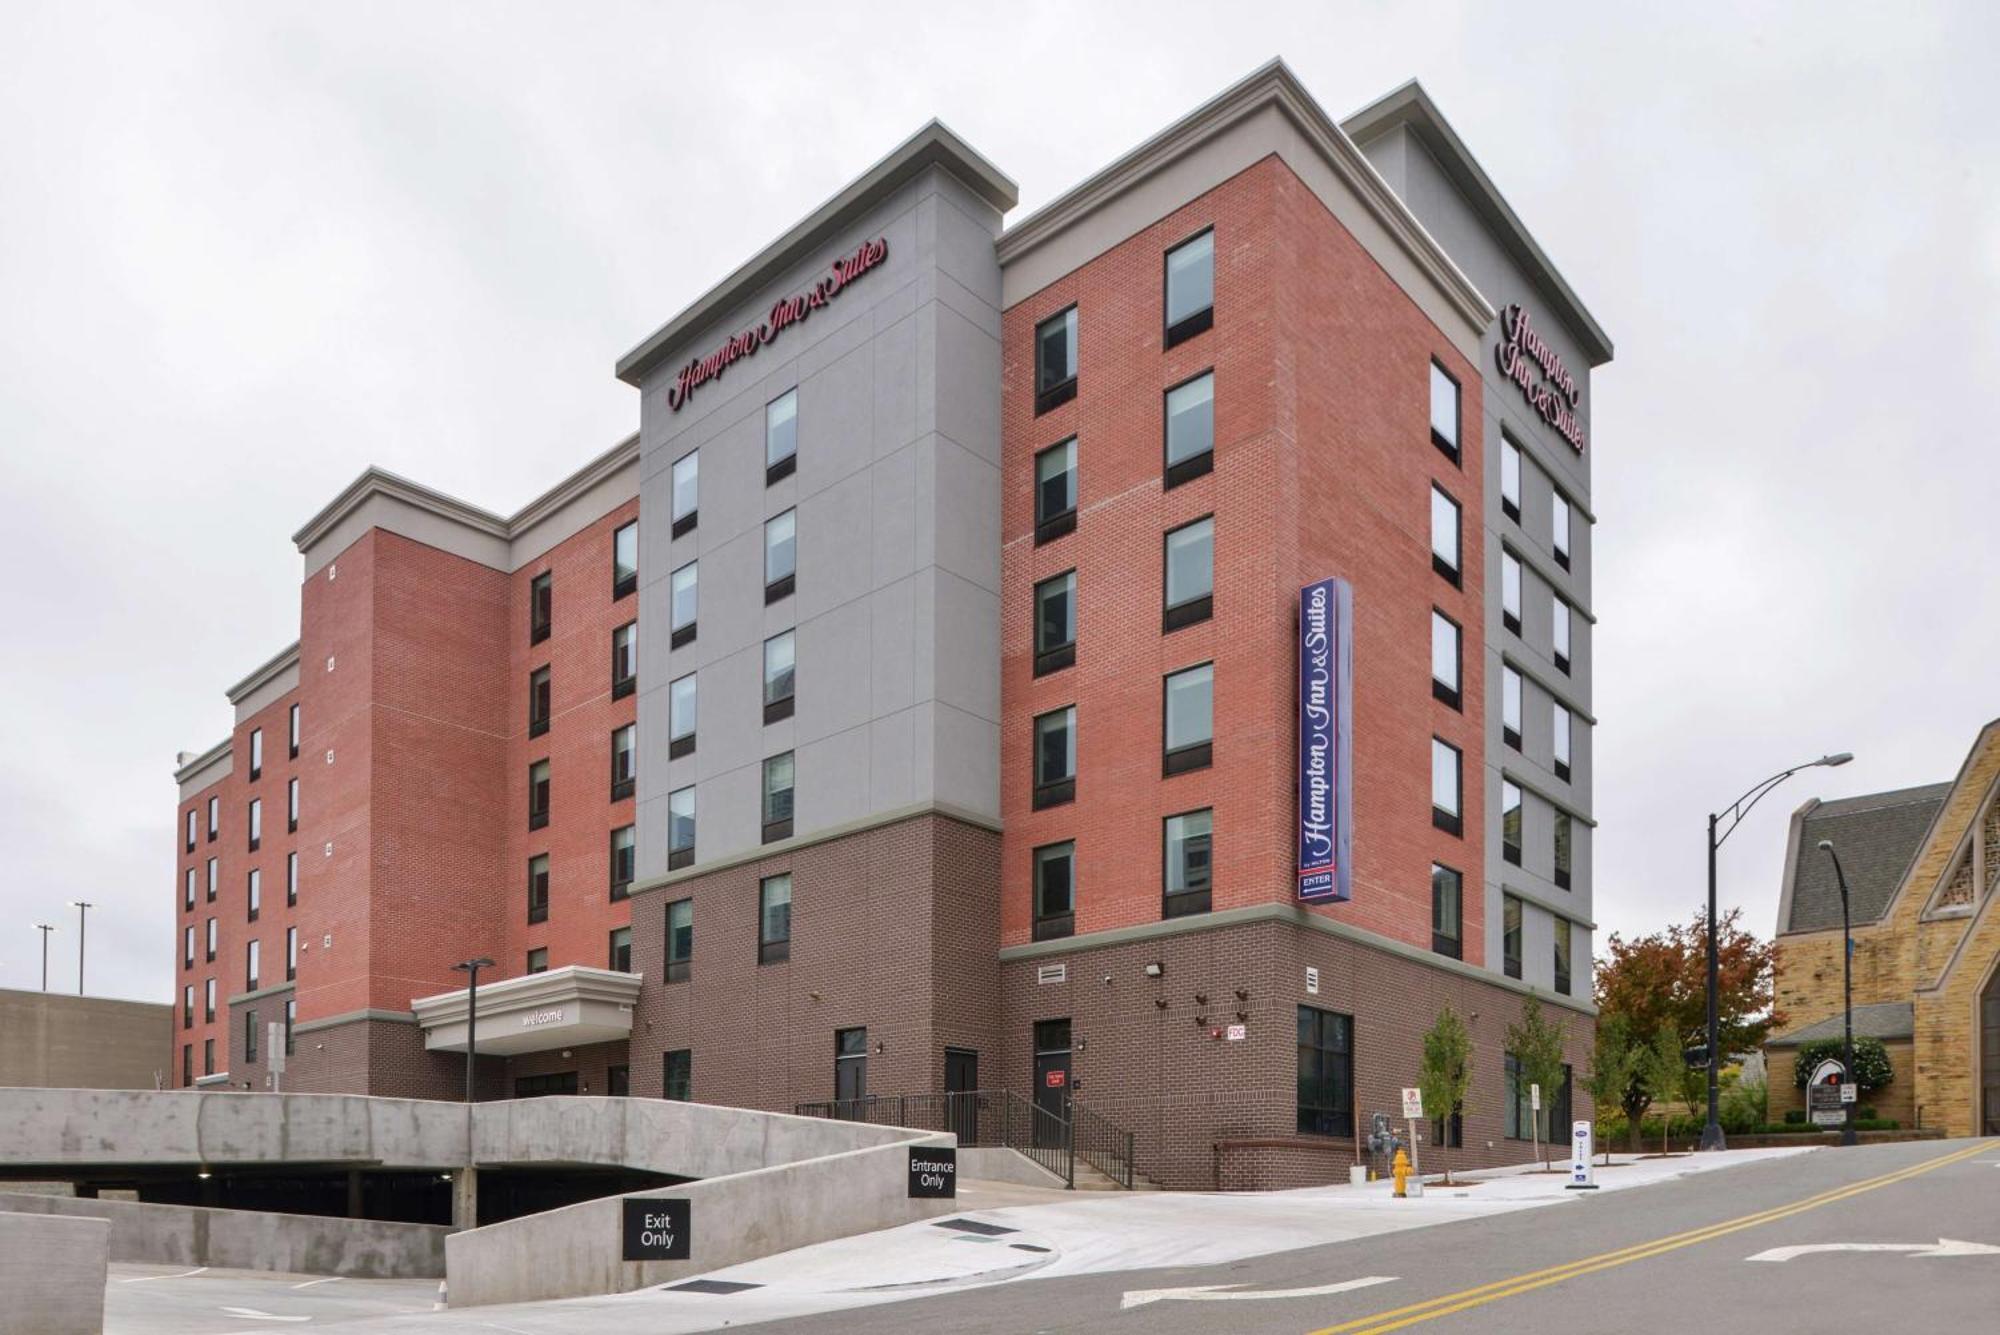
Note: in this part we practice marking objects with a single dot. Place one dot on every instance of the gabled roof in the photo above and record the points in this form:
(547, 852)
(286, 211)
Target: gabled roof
(1877, 835)
(1884, 1020)
(1411, 107)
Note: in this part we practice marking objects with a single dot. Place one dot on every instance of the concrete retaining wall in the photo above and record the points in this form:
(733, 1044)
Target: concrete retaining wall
(252, 1239)
(578, 1250)
(52, 1273)
(994, 1164)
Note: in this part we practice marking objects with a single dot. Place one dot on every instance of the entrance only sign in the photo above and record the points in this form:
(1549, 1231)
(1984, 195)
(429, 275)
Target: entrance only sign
(933, 1173)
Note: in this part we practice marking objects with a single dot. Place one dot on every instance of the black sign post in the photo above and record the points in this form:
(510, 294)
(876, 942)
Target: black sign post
(657, 1228)
(933, 1173)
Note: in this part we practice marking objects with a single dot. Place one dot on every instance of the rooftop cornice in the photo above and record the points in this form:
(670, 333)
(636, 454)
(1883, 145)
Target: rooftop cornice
(202, 761)
(622, 455)
(1271, 85)
(1409, 105)
(282, 661)
(935, 145)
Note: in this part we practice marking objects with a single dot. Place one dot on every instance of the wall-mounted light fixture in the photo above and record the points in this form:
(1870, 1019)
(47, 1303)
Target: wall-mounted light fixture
(1155, 969)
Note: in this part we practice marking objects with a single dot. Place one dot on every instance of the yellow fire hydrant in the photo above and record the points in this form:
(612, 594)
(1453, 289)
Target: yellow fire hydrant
(1402, 1172)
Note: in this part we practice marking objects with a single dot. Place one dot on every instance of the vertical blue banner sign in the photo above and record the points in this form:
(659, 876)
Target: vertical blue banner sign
(1326, 739)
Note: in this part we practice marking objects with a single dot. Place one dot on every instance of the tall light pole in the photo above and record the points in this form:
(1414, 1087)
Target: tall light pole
(1711, 1133)
(45, 928)
(471, 968)
(82, 908)
(1847, 993)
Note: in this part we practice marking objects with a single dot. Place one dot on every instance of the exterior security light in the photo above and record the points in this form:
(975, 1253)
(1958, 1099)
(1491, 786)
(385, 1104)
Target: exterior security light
(1155, 969)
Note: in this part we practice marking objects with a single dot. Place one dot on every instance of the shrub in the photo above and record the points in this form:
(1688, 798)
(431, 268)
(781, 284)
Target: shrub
(1794, 1116)
(1871, 1061)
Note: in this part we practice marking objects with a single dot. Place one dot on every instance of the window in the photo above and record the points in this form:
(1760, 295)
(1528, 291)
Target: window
(680, 828)
(211, 941)
(1055, 361)
(625, 560)
(1510, 821)
(683, 713)
(1190, 719)
(781, 436)
(680, 940)
(192, 820)
(778, 778)
(254, 893)
(780, 653)
(624, 853)
(1326, 1073)
(214, 817)
(1190, 574)
(538, 888)
(1510, 592)
(621, 950)
(187, 947)
(1520, 1120)
(256, 754)
(208, 1055)
(541, 606)
(687, 493)
(1510, 479)
(256, 823)
(291, 1016)
(624, 761)
(1564, 834)
(291, 954)
(850, 1069)
(1510, 707)
(208, 1002)
(187, 1063)
(538, 960)
(1510, 935)
(1447, 786)
(774, 919)
(1447, 911)
(538, 794)
(540, 1086)
(1559, 725)
(780, 555)
(538, 702)
(1190, 287)
(292, 807)
(1446, 659)
(1562, 955)
(1444, 534)
(1055, 757)
(624, 660)
(1055, 623)
(1559, 631)
(1444, 412)
(252, 965)
(1559, 528)
(291, 879)
(187, 1002)
(292, 733)
(1189, 866)
(1190, 429)
(618, 1081)
(212, 874)
(682, 606)
(187, 888)
(1055, 891)
(678, 1079)
(249, 1035)
(1055, 491)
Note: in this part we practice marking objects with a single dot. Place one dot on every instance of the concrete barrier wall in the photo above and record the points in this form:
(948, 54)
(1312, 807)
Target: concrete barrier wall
(52, 1273)
(578, 1250)
(251, 1239)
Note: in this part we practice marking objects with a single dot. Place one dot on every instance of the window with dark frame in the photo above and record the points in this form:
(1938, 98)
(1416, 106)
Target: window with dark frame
(292, 732)
(253, 960)
(541, 606)
(1510, 592)
(1510, 478)
(677, 1076)
(1559, 528)
(1188, 713)
(187, 946)
(292, 806)
(1188, 883)
(1055, 757)
(1055, 623)
(538, 960)
(625, 560)
(780, 664)
(291, 879)
(193, 828)
(1445, 525)
(1190, 284)
(187, 888)
(538, 888)
(1447, 911)
(208, 1055)
(620, 952)
(687, 494)
(211, 942)
(1447, 786)
(1561, 836)
(1510, 821)
(256, 823)
(774, 918)
(256, 754)
(208, 1002)
(1190, 429)
(214, 871)
(850, 1071)
(1447, 659)
(618, 1081)
(684, 601)
(250, 1035)
(187, 1005)
(1055, 890)
(781, 436)
(779, 776)
(1055, 491)
(1562, 955)
(1055, 360)
(680, 828)
(291, 954)
(624, 761)
(780, 556)
(1189, 574)
(187, 1064)
(624, 856)
(1559, 730)
(1444, 411)
(1520, 1121)
(683, 715)
(253, 894)
(624, 660)
(538, 702)
(1510, 935)
(291, 1018)
(1510, 707)
(1448, 1133)
(538, 795)
(214, 818)
(680, 940)
(1559, 632)
(1326, 1073)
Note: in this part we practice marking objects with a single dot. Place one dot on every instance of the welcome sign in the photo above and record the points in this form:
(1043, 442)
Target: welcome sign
(1326, 739)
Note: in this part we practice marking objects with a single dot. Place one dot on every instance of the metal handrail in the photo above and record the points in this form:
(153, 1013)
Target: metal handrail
(999, 1118)
(1102, 1144)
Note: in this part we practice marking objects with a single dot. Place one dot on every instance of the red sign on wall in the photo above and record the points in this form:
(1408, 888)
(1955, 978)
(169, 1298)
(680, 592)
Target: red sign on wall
(1055, 1079)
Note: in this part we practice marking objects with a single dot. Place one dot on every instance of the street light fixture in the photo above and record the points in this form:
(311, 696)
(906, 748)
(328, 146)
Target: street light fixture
(1711, 1133)
(82, 907)
(1847, 993)
(471, 968)
(45, 928)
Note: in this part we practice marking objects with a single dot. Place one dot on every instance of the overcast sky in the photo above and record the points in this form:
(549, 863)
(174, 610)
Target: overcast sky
(247, 251)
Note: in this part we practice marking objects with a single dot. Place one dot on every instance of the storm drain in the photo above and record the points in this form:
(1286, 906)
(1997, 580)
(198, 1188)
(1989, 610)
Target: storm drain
(711, 1286)
(974, 1226)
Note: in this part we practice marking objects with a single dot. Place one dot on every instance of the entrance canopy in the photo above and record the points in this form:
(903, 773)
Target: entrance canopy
(559, 1008)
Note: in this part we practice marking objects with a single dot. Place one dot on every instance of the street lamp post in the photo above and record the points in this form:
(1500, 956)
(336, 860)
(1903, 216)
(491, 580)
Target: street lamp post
(1711, 1133)
(45, 928)
(82, 907)
(1847, 993)
(471, 968)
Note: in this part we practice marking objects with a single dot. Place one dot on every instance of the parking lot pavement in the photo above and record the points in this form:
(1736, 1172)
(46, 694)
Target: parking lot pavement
(184, 1300)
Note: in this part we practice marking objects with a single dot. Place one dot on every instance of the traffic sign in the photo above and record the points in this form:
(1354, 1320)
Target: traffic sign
(1413, 1104)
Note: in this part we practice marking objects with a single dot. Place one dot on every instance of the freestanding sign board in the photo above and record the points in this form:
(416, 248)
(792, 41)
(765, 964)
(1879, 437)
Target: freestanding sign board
(658, 1228)
(1326, 739)
(1582, 1146)
(1826, 1095)
(933, 1173)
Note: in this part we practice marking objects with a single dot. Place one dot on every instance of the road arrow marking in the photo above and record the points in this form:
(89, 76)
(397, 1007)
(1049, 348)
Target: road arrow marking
(1220, 1292)
(1942, 1247)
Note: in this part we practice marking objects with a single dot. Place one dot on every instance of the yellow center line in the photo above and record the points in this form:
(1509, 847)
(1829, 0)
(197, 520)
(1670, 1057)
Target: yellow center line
(1504, 1288)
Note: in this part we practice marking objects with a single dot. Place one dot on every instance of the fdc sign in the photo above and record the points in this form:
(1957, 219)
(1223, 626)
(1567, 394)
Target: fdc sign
(657, 1228)
(933, 1173)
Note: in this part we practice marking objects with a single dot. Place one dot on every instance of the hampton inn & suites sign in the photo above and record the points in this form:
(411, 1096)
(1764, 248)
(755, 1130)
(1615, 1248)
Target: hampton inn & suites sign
(1526, 358)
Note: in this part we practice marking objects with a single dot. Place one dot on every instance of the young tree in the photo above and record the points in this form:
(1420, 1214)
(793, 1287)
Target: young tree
(1663, 1064)
(1446, 1073)
(1537, 1048)
(1613, 1065)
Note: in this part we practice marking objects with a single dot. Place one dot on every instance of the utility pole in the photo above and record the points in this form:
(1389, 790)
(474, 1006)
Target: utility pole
(45, 928)
(82, 908)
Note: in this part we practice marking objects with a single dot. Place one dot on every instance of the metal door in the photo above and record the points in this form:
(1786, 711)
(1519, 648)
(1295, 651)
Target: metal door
(1051, 1081)
(961, 1079)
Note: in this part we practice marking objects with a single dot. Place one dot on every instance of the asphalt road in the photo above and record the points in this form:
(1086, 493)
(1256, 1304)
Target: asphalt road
(1668, 1257)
